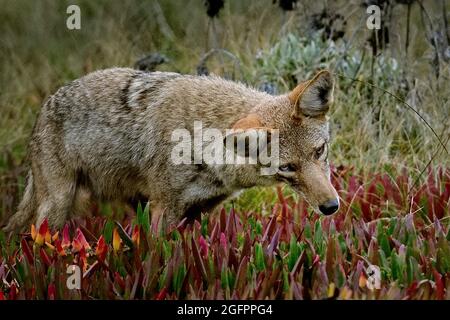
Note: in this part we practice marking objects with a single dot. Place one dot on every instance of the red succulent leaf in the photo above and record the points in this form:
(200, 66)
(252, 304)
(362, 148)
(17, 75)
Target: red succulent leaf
(365, 209)
(27, 251)
(412, 289)
(83, 258)
(119, 280)
(439, 206)
(162, 294)
(12, 292)
(51, 291)
(231, 225)
(198, 260)
(371, 194)
(65, 243)
(274, 242)
(270, 228)
(439, 285)
(203, 246)
(352, 188)
(45, 258)
(59, 249)
(135, 237)
(215, 232)
(101, 249)
(247, 245)
(79, 237)
(241, 273)
(42, 236)
(43, 229)
(223, 220)
(76, 245)
(223, 242)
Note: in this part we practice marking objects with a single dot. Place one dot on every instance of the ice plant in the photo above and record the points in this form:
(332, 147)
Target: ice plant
(101, 249)
(27, 251)
(43, 235)
(254, 255)
(135, 237)
(65, 242)
(33, 232)
(83, 258)
(44, 257)
(76, 245)
(59, 248)
(203, 246)
(51, 292)
(79, 242)
(117, 242)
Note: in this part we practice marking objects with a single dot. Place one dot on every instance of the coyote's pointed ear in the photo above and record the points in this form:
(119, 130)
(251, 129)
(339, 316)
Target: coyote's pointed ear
(314, 97)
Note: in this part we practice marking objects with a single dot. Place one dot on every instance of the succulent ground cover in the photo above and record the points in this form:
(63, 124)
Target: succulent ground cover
(283, 252)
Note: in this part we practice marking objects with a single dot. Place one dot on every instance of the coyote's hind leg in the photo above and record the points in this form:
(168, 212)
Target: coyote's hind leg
(26, 210)
(55, 194)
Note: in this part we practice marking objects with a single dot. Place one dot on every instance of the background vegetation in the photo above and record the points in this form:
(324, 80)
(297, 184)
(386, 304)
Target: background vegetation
(379, 142)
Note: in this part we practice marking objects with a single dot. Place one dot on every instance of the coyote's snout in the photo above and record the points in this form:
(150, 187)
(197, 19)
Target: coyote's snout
(107, 136)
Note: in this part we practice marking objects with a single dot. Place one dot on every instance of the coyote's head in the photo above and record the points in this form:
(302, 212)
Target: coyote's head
(304, 138)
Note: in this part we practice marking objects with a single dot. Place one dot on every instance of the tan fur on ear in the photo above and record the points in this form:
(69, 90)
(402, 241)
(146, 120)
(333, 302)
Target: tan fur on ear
(296, 95)
(252, 121)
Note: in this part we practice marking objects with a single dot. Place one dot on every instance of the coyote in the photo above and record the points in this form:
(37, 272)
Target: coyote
(107, 136)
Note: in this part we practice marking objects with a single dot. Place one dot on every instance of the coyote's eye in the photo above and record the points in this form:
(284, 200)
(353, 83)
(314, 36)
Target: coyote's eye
(287, 168)
(320, 151)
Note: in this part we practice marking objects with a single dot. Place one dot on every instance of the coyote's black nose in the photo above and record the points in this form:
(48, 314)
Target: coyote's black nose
(329, 207)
